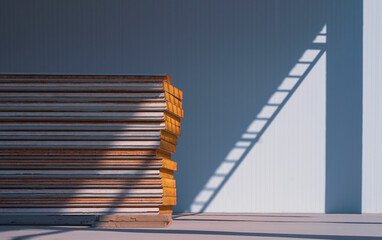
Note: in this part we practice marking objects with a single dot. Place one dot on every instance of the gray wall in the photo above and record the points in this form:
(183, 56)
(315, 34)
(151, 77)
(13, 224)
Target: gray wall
(227, 56)
(372, 110)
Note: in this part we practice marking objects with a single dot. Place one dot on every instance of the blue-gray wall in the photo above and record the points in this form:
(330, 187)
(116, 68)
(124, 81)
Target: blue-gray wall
(227, 56)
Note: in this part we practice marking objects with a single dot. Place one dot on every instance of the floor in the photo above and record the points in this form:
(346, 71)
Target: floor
(221, 226)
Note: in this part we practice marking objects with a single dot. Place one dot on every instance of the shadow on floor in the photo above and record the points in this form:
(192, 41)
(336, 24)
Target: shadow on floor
(59, 230)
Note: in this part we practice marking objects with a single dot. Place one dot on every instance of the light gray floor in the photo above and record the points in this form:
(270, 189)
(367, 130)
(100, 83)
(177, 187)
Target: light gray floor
(222, 226)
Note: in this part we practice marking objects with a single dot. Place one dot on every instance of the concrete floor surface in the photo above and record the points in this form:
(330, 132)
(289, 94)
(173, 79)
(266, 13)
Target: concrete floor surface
(221, 226)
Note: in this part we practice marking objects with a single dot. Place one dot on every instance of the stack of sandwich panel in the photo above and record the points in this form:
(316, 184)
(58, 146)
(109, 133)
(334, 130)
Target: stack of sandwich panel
(88, 144)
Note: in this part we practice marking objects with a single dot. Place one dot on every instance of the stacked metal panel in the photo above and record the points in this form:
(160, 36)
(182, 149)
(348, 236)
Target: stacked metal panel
(88, 144)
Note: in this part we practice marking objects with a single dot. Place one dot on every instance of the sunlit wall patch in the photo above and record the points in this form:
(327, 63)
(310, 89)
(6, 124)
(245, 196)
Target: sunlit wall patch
(254, 131)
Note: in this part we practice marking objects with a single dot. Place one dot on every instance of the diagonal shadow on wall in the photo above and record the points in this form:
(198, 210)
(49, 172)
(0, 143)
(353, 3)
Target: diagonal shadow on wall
(263, 120)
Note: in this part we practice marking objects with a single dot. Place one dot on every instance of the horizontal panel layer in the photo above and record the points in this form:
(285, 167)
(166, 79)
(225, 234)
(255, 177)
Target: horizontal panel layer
(24, 145)
(83, 205)
(27, 166)
(69, 77)
(6, 161)
(83, 176)
(78, 183)
(78, 89)
(33, 163)
(78, 195)
(75, 137)
(47, 84)
(75, 200)
(109, 191)
(90, 181)
(91, 200)
(80, 126)
(82, 191)
(78, 95)
(109, 210)
(81, 135)
(79, 152)
(126, 115)
(153, 144)
(83, 118)
(34, 166)
(79, 172)
(89, 134)
(105, 105)
(86, 100)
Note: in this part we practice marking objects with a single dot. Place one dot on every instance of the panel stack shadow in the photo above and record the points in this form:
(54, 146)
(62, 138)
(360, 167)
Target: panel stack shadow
(95, 145)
